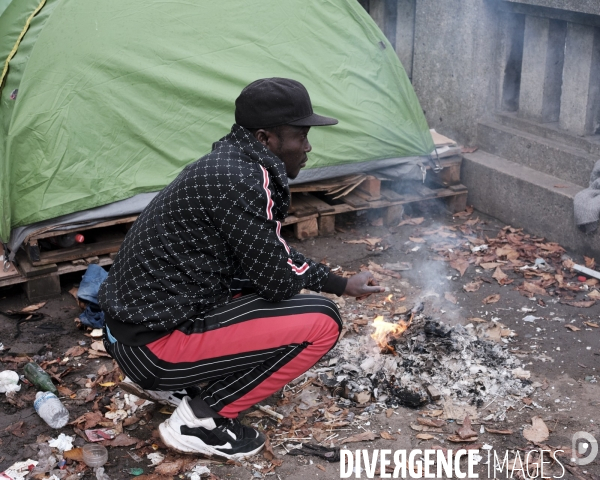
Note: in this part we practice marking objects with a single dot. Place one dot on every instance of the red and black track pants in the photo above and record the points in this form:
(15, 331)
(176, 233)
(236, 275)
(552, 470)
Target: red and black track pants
(246, 350)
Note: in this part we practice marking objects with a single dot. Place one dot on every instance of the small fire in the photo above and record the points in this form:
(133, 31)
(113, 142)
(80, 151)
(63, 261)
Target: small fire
(385, 331)
(389, 298)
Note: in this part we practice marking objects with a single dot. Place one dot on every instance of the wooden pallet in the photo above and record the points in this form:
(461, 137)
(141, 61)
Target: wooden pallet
(312, 212)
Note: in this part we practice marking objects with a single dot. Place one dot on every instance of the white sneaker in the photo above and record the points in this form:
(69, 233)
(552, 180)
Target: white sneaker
(221, 437)
(171, 399)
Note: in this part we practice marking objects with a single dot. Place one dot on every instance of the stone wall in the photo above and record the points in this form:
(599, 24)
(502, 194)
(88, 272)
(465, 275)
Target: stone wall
(468, 59)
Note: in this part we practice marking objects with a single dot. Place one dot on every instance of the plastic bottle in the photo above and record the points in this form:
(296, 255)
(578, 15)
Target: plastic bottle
(67, 240)
(49, 407)
(36, 375)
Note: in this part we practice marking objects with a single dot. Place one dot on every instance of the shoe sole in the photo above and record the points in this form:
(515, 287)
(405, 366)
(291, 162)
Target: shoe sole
(169, 440)
(139, 392)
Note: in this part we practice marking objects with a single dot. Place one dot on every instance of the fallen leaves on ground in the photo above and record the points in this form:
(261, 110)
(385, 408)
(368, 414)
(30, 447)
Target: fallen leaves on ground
(360, 437)
(461, 265)
(16, 429)
(450, 297)
(501, 277)
(582, 304)
(573, 328)
(491, 299)
(466, 431)
(538, 432)
(387, 436)
(472, 286)
(431, 422)
(425, 436)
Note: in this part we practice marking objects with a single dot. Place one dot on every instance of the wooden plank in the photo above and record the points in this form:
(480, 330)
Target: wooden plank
(292, 219)
(29, 270)
(46, 233)
(80, 251)
(371, 186)
(319, 205)
(302, 206)
(355, 201)
(457, 203)
(327, 185)
(393, 215)
(450, 173)
(306, 228)
(326, 225)
(422, 190)
(42, 288)
(11, 272)
(390, 195)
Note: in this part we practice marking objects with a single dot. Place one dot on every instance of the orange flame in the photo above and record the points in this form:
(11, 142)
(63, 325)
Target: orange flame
(389, 297)
(385, 331)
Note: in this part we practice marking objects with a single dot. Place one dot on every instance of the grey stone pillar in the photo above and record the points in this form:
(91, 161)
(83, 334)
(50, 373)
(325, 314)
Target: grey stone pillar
(580, 103)
(541, 78)
(405, 34)
(377, 12)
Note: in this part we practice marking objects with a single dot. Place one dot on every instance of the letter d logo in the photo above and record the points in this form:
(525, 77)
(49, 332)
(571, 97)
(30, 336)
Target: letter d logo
(588, 444)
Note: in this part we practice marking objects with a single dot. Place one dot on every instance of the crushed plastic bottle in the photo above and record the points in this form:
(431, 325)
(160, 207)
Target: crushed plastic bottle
(50, 409)
(36, 375)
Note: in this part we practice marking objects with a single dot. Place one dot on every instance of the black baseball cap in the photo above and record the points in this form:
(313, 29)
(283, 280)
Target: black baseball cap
(270, 102)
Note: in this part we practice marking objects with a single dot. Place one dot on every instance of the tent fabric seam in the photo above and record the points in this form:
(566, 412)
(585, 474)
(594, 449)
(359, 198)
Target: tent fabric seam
(18, 42)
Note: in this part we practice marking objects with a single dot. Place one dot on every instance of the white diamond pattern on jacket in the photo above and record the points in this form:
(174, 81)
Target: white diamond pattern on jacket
(213, 223)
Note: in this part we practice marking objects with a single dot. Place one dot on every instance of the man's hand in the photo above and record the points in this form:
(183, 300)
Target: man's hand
(361, 284)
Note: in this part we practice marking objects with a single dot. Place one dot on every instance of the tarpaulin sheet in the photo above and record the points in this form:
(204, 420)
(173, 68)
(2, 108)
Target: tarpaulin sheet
(115, 98)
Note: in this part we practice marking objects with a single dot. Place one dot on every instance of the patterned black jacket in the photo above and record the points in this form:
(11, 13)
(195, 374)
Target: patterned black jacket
(218, 221)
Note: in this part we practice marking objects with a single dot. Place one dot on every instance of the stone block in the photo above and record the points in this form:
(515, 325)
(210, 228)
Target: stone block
(502, 189)
(405, 33)
(42, 288)
(580, 101)
(548, 156)
(541, 77)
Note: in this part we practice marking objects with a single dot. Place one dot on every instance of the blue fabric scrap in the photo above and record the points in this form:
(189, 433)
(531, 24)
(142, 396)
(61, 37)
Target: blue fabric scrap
(90, 283)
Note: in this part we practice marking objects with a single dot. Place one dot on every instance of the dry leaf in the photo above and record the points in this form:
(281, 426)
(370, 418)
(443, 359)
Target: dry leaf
(491, 299)
(460, 264)
(16, 429)
(412, 221)
(321, 467)
(466, 431)
(416, 239)
(361, 437)
(425, 436)
(594, 295)
(32, 308)
(451, 298)
(582, 304)
(431, 422)
(490, 265)
(591, 324)
(74, 454)
(589, 262)
(573, 328)
(477, 320)
(387, 435)
(389, 412)
(538, 432)
(527, 400)
(458, 439)
(533, 288)
(121, 440)
(500, 276)
(472, 287)
(90, 420)
(75, 351)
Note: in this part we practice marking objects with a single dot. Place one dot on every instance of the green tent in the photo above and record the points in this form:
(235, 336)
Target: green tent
(102, 101)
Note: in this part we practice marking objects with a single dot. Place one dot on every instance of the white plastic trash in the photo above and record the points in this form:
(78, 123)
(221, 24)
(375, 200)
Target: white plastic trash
(49, 407)
(9, 381)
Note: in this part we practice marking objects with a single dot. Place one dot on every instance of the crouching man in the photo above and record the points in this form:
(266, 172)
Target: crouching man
(205, 291)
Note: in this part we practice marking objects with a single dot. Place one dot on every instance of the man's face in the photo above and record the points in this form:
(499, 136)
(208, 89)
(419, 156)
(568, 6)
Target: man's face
(290, 145)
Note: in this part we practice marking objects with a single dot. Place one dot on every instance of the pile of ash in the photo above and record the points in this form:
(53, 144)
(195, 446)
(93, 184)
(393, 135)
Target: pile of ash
(429, 361)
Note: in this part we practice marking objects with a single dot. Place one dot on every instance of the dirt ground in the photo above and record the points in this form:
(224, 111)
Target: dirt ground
(563, 361)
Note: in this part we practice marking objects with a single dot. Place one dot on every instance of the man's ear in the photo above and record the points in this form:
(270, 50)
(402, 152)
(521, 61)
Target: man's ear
(262, 136)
